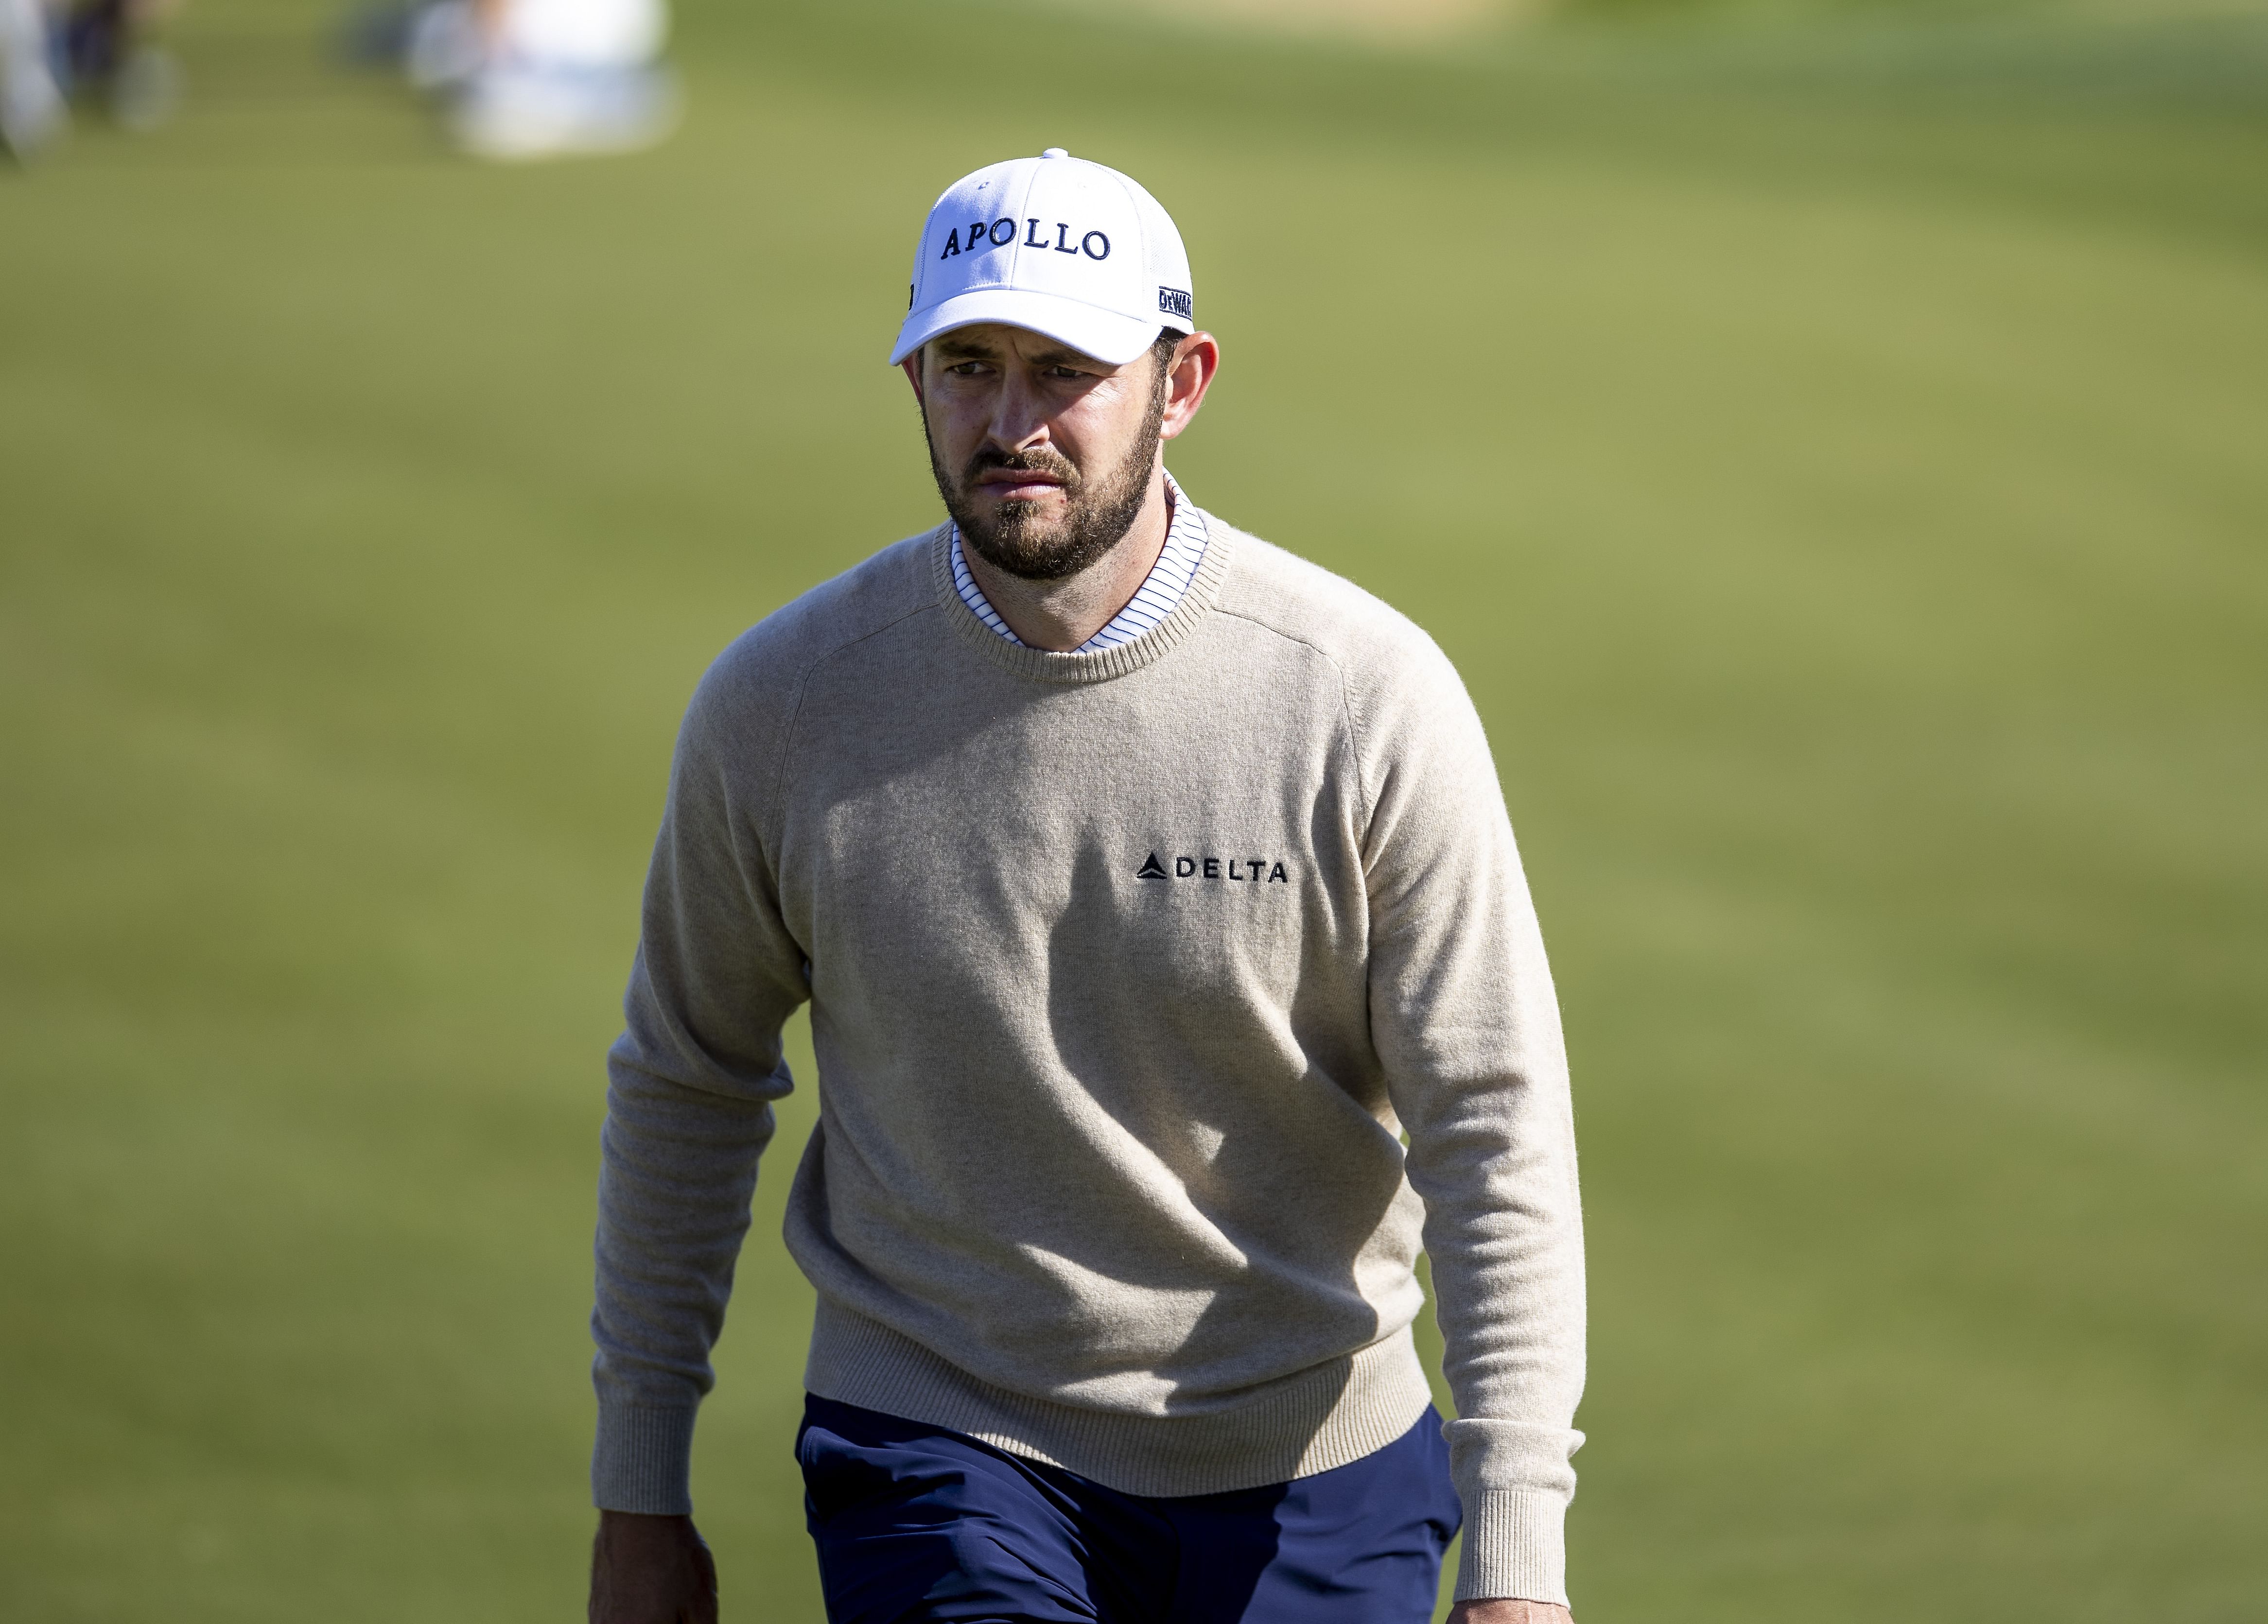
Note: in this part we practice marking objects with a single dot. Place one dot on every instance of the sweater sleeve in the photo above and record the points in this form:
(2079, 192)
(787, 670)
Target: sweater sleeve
(1468, 1030)
(690, 1084)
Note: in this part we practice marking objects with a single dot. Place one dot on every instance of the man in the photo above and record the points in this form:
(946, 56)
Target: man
(1149, 887)
(564, 78)
(32, 111)
(523, 80)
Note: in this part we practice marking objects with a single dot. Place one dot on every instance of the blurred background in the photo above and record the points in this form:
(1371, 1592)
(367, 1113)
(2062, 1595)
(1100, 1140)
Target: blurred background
(1831, 438)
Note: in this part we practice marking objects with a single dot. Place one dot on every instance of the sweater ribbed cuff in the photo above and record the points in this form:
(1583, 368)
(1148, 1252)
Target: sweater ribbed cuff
(1515, 1548)
(643, 1461)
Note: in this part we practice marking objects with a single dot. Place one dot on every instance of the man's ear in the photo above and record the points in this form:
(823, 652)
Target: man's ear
(1196, 358)
(911, 367)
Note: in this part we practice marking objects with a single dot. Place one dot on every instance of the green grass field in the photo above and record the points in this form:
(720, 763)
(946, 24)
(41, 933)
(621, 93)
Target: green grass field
(1835, 452)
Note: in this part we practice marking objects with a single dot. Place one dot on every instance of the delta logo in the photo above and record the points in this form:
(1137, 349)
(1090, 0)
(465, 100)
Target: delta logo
(1256, 871)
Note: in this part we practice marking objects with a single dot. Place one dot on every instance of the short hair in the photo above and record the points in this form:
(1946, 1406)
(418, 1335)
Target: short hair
(1162, 351)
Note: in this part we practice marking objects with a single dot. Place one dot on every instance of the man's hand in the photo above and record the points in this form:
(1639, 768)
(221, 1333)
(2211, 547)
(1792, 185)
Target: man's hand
(651, 1570)
(1510, 1612)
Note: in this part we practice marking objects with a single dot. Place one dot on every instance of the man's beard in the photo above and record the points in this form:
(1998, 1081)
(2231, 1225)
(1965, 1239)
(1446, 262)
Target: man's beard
(1097, 512)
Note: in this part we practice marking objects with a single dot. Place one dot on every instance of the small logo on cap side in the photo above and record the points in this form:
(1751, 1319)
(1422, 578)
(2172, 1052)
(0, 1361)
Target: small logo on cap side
(1173, 302)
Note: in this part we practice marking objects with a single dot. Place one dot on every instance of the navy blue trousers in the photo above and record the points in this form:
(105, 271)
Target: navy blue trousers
(915, 1524)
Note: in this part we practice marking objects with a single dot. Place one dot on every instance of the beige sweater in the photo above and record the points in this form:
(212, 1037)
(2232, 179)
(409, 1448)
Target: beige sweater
(1130, 973)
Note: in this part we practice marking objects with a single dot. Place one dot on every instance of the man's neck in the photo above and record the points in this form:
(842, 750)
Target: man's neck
(1060, 615)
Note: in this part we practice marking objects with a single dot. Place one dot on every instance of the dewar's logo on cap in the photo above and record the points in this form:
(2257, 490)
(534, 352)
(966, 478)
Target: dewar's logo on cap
(1173, 302)
(1001, 233)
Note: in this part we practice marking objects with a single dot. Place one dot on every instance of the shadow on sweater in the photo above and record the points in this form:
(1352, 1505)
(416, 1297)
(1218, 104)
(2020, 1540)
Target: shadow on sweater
(1165, 1005)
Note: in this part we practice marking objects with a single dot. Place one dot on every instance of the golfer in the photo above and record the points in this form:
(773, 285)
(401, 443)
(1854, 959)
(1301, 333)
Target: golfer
(1174, 981)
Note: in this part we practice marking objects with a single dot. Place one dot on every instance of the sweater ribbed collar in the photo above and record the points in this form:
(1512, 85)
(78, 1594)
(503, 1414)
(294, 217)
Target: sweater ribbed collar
(1046, 665)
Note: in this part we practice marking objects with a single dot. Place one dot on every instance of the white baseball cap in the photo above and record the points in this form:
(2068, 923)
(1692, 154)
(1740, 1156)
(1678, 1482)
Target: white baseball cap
(1055, 243)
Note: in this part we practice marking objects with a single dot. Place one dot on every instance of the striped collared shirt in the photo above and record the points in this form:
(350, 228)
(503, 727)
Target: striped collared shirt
(1169, 577)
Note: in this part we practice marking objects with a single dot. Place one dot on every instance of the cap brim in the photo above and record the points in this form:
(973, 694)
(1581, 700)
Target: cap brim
(1104, 335)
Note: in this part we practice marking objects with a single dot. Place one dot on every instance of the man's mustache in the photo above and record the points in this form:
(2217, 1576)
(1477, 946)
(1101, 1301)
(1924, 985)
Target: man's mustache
(1039, 460)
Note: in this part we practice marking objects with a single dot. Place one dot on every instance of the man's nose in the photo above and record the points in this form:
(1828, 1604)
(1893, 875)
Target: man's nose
(1020, 415)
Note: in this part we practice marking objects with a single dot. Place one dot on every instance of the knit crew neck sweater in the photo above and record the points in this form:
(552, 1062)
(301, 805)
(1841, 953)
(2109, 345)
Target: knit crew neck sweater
(1167, 1000)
